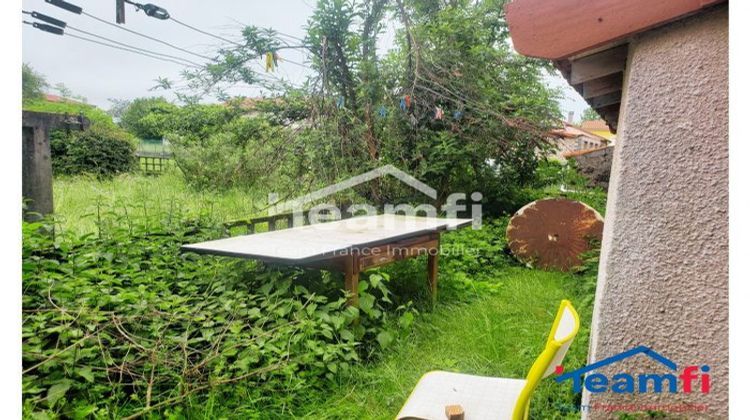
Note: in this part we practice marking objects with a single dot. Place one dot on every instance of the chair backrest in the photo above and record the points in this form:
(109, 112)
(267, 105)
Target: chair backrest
(564, 329)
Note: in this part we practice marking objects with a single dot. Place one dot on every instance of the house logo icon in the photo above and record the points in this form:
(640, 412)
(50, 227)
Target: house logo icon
(450, 208)
(673, 381)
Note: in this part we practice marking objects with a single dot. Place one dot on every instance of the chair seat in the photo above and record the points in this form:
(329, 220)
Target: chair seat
(481, 397)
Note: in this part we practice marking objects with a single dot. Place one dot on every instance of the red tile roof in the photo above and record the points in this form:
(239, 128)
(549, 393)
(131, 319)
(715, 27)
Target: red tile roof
(571, 131)
(56, 98)
(595, 125)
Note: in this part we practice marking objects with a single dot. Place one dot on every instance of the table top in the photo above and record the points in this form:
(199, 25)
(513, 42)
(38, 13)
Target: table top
(313, 242)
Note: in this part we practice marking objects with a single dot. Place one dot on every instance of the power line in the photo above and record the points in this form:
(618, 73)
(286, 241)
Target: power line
(205, 32)
(129, 50)
(166, 16)
(134, 47)
(147, 37)
(78, 10)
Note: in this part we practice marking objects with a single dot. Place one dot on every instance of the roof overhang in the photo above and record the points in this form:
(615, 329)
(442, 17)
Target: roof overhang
(588, 39)
(558, 29)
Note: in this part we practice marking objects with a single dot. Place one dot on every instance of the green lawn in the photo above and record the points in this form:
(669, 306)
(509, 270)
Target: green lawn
(144, 199)
(497, 335)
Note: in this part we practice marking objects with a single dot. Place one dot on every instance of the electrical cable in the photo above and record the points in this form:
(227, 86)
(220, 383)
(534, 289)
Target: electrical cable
(59, 31)
(147, 37)
(130, 50)
(134, 47)
(61, 24)
(205, 32)
(79, 10)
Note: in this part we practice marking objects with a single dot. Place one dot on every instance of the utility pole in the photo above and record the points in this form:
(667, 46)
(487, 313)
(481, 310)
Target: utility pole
(120, 11)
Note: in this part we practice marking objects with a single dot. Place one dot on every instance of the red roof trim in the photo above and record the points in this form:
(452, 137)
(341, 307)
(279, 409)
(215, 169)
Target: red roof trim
(557, 29)
(583, 152)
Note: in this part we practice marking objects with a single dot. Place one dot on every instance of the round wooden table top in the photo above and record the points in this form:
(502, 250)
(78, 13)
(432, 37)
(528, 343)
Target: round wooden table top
(552, 233)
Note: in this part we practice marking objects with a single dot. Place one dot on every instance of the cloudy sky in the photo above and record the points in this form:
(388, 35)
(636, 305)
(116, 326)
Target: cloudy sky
(99, 72)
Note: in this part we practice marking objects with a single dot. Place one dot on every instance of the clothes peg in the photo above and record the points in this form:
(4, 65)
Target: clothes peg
(438, 113)
(269, 61)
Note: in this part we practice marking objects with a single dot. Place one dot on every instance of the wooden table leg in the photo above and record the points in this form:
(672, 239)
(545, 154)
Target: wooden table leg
(351, 279)
(432, 271)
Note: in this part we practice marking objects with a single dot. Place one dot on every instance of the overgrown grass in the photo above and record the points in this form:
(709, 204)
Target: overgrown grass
(498, 334)
(492, 317)
(82, 201)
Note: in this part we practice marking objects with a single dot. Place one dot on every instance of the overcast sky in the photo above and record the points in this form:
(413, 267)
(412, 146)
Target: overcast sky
(98, 72)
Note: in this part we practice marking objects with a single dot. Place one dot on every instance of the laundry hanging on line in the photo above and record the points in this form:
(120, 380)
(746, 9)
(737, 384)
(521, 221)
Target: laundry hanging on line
(405, 103)
(272, 60)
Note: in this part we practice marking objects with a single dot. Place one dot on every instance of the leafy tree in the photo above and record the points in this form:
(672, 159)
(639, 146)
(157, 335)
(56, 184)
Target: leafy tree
(590, 115)
(148, 117)
(117, 107)
(477, 113)
(67, 93)
(32, 83)
(198, 121)
(63, 90)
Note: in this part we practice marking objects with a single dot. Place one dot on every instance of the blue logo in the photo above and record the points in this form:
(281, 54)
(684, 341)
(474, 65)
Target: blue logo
(647, 382)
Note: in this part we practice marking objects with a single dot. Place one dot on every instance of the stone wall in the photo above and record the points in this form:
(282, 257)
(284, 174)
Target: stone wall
(596, 165)
(663, 275)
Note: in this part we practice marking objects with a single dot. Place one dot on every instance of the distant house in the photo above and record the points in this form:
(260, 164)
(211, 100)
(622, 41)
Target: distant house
(572, 139)
(57, 98)
(598, 127)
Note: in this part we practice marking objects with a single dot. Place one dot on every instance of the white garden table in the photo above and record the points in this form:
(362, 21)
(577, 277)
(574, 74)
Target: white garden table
(349, 246)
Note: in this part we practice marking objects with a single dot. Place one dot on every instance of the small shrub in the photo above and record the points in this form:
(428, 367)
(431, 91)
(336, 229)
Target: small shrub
(100, 150)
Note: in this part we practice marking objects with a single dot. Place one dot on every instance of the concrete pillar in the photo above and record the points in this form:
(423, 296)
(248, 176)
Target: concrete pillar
(36, 181)
(663, 276)
(37, 171)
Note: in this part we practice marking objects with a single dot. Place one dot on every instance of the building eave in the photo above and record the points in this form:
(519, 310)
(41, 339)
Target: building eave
(588, 40)
(561, 29)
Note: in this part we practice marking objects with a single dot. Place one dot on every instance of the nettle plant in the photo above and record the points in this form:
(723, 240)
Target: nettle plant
(124, 323)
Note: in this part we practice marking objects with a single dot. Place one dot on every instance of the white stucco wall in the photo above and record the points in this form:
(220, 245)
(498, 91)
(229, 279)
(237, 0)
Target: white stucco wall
(663, 277)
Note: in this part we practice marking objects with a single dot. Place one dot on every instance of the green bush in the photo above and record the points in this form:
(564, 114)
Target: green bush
(124, 323)
(198, 121)
(241, 154)
(100, 150)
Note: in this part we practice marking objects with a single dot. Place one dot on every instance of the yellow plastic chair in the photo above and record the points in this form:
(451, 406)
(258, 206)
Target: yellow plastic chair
(481, 397)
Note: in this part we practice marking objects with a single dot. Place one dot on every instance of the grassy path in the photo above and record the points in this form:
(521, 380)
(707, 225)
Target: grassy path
(497, 335)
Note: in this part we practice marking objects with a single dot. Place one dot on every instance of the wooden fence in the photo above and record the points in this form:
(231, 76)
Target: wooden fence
(154, 162)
